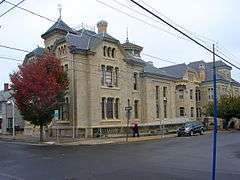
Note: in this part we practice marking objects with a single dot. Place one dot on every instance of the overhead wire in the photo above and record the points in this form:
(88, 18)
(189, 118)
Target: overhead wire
(196, 35)
(11, 8)
(29, 11)
(141, 20)
(183, 33)
(11, 59)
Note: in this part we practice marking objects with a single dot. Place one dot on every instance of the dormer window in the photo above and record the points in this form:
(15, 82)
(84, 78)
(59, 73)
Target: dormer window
(104, 51)
(113, 52)
(109, 51)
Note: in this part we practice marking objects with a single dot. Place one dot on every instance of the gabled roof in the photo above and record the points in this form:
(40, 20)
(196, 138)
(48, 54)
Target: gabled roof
(36, 52)
(58, 26)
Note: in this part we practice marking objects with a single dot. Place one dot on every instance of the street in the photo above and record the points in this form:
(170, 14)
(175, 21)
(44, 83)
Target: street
(169, 159)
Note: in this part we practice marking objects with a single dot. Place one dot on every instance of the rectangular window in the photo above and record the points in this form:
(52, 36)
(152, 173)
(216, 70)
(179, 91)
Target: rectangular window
(110, 108)
(191, 94)
(182, 111)
(66, 67)
(157, 92)
(136, 109)
(164, 91)
(108, 76)
(192, 111)
(181, 94)
(116, 108)
(165, 109)
(197, 112)
(102, 75)
(210, 93)
(103, 108)
(135, 81)
(157, 110)
(116, 76)
(10, 123)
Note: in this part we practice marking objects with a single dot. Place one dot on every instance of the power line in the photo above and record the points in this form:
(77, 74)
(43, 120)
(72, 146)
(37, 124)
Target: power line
(11, 8)
(181, 32)
(138, 19)
(11, 59)
(154, 57)
(29, 11)
(16, 49)
(190, 32)
(2, 1)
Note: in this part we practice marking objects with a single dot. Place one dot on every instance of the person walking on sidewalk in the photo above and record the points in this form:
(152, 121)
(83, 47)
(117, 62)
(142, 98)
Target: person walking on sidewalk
(135, 130)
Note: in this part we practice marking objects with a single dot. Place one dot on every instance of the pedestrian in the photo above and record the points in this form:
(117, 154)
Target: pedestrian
(135, 130)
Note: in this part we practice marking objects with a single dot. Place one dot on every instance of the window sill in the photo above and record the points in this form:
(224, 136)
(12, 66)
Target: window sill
(110, 120)
(111, 88)
(63, 122)
(135, 91)
(108, 58)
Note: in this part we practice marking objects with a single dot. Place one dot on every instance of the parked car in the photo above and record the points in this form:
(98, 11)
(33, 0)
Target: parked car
(191, 128)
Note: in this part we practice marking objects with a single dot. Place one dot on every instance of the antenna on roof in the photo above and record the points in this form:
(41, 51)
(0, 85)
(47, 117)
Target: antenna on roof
(127, 36)
(60, 11)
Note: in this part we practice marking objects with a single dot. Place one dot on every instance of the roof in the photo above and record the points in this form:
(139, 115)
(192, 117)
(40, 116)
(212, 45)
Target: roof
(36, 52)
(176, 71)
(58, 26)
(150, 69)
(128, 45)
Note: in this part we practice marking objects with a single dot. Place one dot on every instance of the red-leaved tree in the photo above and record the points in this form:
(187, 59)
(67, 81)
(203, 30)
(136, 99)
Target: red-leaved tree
(39, 88)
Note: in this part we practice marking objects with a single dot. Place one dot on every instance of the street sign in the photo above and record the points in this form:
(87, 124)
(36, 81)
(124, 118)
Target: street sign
(129, 108)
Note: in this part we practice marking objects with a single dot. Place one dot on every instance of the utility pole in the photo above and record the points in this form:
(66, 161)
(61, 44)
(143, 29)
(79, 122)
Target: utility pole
(215, 118)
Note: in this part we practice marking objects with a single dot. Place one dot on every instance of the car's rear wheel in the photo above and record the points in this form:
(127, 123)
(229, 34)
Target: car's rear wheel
(178, 135)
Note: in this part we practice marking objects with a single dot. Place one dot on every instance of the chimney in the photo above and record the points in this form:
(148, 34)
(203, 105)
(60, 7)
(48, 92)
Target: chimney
(6, 86)
(102, 26)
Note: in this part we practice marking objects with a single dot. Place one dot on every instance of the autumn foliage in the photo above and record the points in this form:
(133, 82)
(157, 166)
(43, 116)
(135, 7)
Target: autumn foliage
(39, 88)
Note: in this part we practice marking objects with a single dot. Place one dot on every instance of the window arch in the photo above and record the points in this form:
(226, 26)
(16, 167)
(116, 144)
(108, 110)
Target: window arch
(109, 51)
(113, 53)
(104, 50)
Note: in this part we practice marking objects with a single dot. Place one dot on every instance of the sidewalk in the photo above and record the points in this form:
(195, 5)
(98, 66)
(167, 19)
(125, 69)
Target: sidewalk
(83, 141)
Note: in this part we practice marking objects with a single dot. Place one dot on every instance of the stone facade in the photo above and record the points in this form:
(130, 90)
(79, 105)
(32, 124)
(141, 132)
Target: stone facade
(107, 76)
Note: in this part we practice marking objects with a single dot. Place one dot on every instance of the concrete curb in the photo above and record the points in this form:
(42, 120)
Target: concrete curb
(92, 142)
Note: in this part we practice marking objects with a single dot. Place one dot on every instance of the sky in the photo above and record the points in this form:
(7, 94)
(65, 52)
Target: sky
(217, 20)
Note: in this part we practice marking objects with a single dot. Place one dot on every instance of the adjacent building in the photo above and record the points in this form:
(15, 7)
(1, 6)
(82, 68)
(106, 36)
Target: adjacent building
(106, 76)
(6, 113)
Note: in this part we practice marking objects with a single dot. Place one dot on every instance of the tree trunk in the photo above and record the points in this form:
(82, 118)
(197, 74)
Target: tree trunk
(41, 133)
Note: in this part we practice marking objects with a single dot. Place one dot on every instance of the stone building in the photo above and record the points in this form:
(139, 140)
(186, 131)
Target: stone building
(106, 76)
(6, 113)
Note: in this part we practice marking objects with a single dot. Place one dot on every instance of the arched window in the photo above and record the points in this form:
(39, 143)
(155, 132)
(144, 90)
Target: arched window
(113, 53)
(104, 51)
(109, 51)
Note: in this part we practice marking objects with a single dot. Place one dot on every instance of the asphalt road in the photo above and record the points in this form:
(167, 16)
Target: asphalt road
(184, 158)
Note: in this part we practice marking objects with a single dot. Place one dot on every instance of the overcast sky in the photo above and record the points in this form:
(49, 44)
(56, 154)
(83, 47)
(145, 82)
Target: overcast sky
(215, 19)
